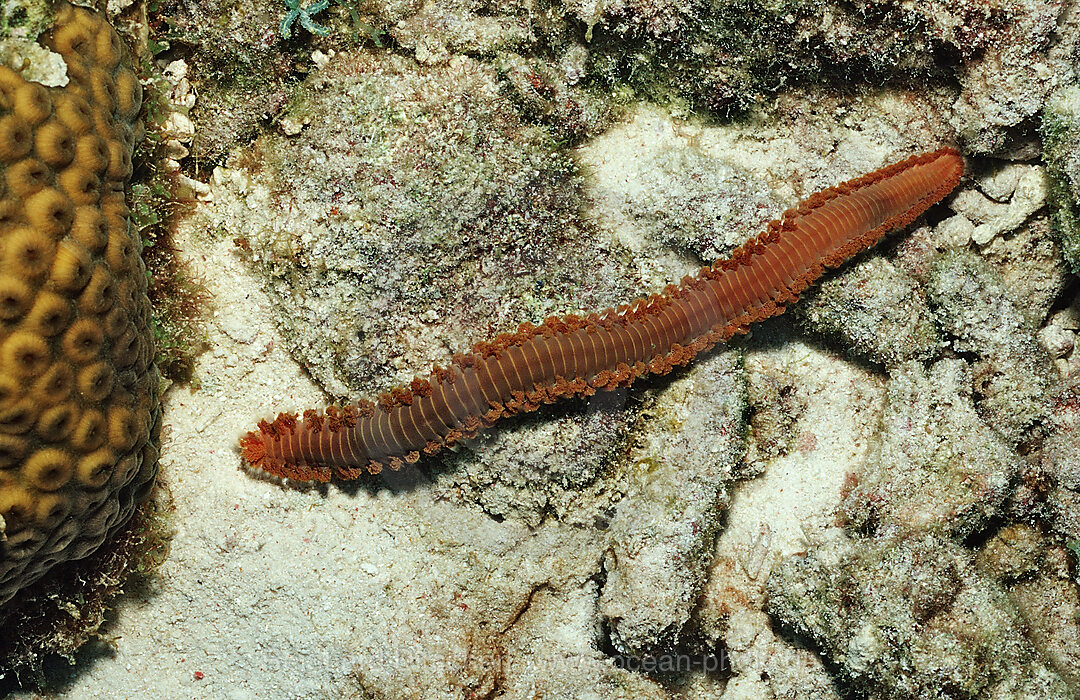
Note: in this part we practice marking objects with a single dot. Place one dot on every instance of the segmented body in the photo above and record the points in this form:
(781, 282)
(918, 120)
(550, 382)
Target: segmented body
(576, 356)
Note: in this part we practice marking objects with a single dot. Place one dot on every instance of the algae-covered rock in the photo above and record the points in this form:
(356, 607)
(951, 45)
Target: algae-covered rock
(413, 214)
(24, 19)
(478, 593)
(766, 666)
(723, 57)
(1061, 149)
(1030, 50)
(660, 540)
(776, 404)
(672, 193)
(875, 309)
(439, 30)
(21, 22)
(711, 55)
(1057, 496)
(1032, 267)
(557, 94)
(1012, 553)
(545, 464)
(935, 465)
(911, 617)
(1035, 571)
(553, 652)
(1012, 372)
(1050, 604)
(241, 66)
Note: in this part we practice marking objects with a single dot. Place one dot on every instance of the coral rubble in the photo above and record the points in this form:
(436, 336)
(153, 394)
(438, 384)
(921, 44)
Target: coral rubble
(909, 616)
(935, 464)
(660, 540)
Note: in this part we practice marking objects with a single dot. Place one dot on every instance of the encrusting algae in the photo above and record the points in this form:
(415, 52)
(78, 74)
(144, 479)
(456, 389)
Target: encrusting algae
(79, 414)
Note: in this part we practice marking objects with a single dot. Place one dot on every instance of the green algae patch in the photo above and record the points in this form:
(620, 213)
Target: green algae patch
(24, 19)
(1061, 149)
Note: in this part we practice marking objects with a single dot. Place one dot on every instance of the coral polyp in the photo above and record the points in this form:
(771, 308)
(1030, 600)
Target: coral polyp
(79, 399)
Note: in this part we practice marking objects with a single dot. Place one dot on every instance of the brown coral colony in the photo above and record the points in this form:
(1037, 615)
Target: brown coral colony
(576, 356)
(78, 390)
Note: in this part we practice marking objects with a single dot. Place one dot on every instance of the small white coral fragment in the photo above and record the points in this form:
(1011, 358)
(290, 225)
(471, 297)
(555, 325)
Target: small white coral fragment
(1008, 198)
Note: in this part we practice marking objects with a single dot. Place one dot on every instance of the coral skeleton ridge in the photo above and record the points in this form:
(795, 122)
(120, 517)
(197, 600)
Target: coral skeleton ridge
(576, 356)
(79, 409)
